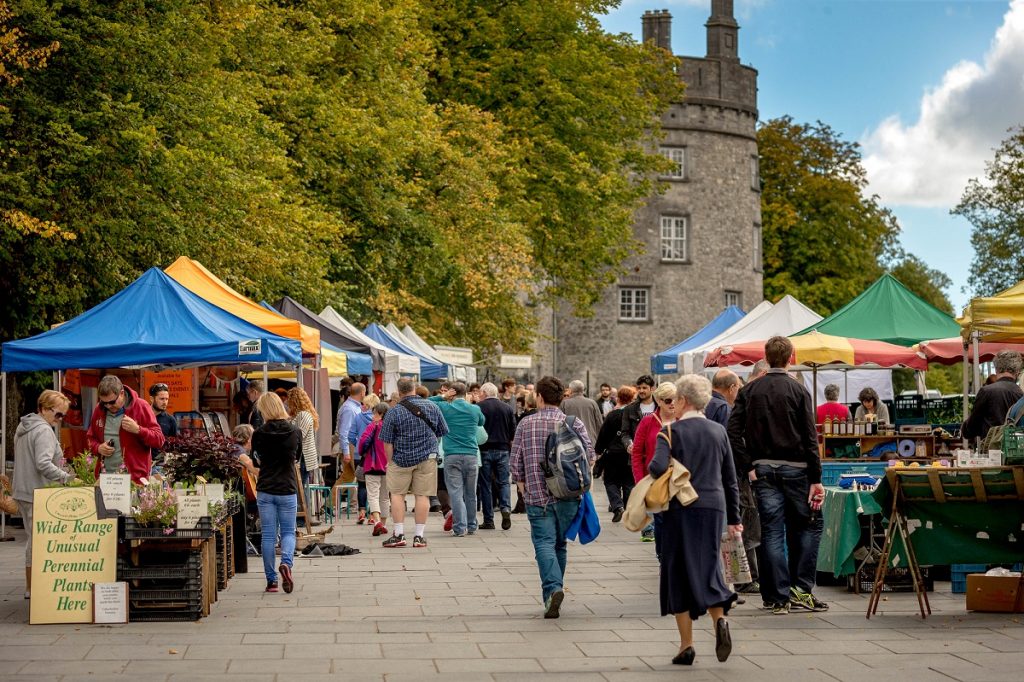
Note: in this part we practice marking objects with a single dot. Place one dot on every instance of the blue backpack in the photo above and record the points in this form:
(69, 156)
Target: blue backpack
(566, 466)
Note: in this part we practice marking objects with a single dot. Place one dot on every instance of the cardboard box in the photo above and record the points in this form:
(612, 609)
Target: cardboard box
(994, 593)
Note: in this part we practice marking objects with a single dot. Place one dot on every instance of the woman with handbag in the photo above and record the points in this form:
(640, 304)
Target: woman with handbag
(643, 448)
(375, 465)
(692, 583)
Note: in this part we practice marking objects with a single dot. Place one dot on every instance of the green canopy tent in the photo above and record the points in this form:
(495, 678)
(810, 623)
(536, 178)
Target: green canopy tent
(888, 311)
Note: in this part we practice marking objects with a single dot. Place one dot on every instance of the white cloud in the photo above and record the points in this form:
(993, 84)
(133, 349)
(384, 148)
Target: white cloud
(961, 121)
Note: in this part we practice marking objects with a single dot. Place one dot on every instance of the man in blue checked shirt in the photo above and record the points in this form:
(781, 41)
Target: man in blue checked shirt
(549, 518)
(410, 432)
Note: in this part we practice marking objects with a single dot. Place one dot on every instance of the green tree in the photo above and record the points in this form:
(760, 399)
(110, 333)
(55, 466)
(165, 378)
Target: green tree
(824, 238)
(995, 208)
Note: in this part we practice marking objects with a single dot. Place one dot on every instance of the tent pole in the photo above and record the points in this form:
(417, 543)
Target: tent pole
(298, 375)
(266, 378)
(966, 370)
(977, 364)
(814, 377)
(846, 385)
(3, 451)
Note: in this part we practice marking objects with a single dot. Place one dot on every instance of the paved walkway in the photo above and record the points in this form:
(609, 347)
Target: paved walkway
(469, 609)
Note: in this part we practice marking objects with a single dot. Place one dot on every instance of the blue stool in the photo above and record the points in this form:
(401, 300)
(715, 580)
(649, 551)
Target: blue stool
(348, 490)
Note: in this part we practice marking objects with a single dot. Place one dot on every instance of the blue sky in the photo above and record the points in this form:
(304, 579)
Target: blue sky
(928, 87)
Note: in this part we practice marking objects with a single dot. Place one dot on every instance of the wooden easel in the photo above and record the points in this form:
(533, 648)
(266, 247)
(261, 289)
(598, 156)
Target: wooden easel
(303, 512)
(898, 527)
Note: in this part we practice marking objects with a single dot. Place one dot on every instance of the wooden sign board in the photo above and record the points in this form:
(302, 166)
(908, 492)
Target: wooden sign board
(110, 603)
(117, 492)
(72, 550)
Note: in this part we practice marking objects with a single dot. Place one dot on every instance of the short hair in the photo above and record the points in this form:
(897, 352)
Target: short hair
(665, 389)
(695, 389)
(724, 380)
(552, 390)
(422, 391)
(646, 379)
(52, 400)
(832, 392)
(866, 394)
(406, 386)
(381, 408)
(625, 394)
(357, 389)
(371, 401)
(777, 351)
(576, 387)
(242, 433)
(507, 382)
(474, 387)
(393, 398)
(604, 385)
(256, 385)
(759, 368)
(270, 407)
(158, 388)
(1008, 362)
(489, 390)
(109, 385)
(459, 387)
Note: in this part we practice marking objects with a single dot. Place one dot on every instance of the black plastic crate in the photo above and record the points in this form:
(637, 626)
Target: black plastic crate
(897, 579)
(189, 594)
(909, 409)
(192, 568)
(190, 613)
(133, 531)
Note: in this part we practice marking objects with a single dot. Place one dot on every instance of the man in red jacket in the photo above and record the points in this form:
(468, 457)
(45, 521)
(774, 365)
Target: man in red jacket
(123, 430)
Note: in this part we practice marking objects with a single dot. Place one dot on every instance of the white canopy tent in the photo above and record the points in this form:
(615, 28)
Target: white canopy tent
(459, 357)
(456, 372)
(396, 364)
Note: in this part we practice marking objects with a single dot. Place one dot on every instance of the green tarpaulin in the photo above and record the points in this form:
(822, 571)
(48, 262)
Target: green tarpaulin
(888, 311)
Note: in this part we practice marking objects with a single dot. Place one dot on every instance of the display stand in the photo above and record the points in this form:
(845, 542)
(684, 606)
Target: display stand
(897, 528)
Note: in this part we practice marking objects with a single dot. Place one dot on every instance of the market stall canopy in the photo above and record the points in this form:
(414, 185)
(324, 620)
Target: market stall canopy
(397, 363)
(330, 335)
(429, 368)
(996, 318)
(888, 311)
(460, 359)
(200, 281)
(818, 350)
(153, 321)
(338, 363)
(763, 322)
(951, 351)
(667, 361)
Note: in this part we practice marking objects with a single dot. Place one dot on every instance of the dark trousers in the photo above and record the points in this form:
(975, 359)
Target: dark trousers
(494, 465)
(789, 539)
(618, 493)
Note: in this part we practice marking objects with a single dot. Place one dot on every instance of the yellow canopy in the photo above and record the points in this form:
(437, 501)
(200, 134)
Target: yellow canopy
(334, 362)
(996, 318)
(203, 283)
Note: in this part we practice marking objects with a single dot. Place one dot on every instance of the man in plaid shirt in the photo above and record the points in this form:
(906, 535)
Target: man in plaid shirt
(549, 518)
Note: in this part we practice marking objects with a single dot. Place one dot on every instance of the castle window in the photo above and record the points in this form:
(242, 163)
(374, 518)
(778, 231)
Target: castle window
(634, 304)
(675, 235)
(734, 298)
(758, 267)
(755, 174)
(676, 155)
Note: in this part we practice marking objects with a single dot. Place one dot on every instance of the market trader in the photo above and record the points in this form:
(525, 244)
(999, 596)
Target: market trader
(123, 430)
(996, 399)
(161, 395)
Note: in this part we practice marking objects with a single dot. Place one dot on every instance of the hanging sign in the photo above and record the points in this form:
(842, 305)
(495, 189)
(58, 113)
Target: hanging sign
(72, 550)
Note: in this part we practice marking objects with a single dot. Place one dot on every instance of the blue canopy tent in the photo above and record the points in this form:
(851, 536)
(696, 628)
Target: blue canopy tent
(667, 361)
(429, 368)
(358, 363)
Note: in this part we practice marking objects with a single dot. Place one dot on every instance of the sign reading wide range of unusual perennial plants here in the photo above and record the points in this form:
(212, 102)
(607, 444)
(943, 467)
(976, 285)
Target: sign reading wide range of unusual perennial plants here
(71, 550)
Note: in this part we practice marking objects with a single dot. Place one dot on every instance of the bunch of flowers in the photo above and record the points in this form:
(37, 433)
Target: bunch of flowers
(156, 506)
(198, 454)
(84, 466)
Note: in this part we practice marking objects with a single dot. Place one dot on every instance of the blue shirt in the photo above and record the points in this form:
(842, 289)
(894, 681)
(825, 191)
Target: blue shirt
(347, 413)
(462, 418)
(413, 440)
(359, 424)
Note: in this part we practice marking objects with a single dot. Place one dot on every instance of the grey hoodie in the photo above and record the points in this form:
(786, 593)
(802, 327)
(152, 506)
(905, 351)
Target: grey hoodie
(38, 457)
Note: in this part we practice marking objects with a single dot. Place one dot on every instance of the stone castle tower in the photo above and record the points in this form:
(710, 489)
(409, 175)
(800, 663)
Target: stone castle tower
(702, 236)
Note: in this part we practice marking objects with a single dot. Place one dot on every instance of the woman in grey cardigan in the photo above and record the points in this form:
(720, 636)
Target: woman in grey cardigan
(692, 583)
(38, 457)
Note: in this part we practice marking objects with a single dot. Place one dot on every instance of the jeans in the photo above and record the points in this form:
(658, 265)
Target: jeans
(786, 529)
(494, 462)
(618, 495)
(460, 472)
(547, 530)
(277, 514)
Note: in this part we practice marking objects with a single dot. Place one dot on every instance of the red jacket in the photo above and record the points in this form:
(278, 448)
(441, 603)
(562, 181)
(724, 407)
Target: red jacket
(134, 446)
(643, 443)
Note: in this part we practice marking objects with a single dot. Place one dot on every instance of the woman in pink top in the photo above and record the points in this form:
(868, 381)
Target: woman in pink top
(832, 408)
(647, 430)
(375, 464)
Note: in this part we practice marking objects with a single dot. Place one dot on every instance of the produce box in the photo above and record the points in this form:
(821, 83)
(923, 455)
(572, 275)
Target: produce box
(896, 580)
(995, 593)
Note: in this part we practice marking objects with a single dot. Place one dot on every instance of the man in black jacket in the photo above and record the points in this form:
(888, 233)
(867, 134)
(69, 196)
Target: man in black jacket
(500, 424)
(775, 443)
(637, 410)
(996, 399)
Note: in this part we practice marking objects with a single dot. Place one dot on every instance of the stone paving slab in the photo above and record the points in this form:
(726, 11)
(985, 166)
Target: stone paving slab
(469, 609)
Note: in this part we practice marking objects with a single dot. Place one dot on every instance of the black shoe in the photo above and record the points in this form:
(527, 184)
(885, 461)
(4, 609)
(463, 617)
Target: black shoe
(435, 508)
(553, 603)
(487, 525)
(685, 657)
(617, 516)
(723, 640)
(506, 520)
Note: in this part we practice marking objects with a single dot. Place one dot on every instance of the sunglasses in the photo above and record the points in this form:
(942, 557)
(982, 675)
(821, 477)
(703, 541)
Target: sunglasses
(158, 387)
(667, 401)
(58, 415)
(110, 403)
